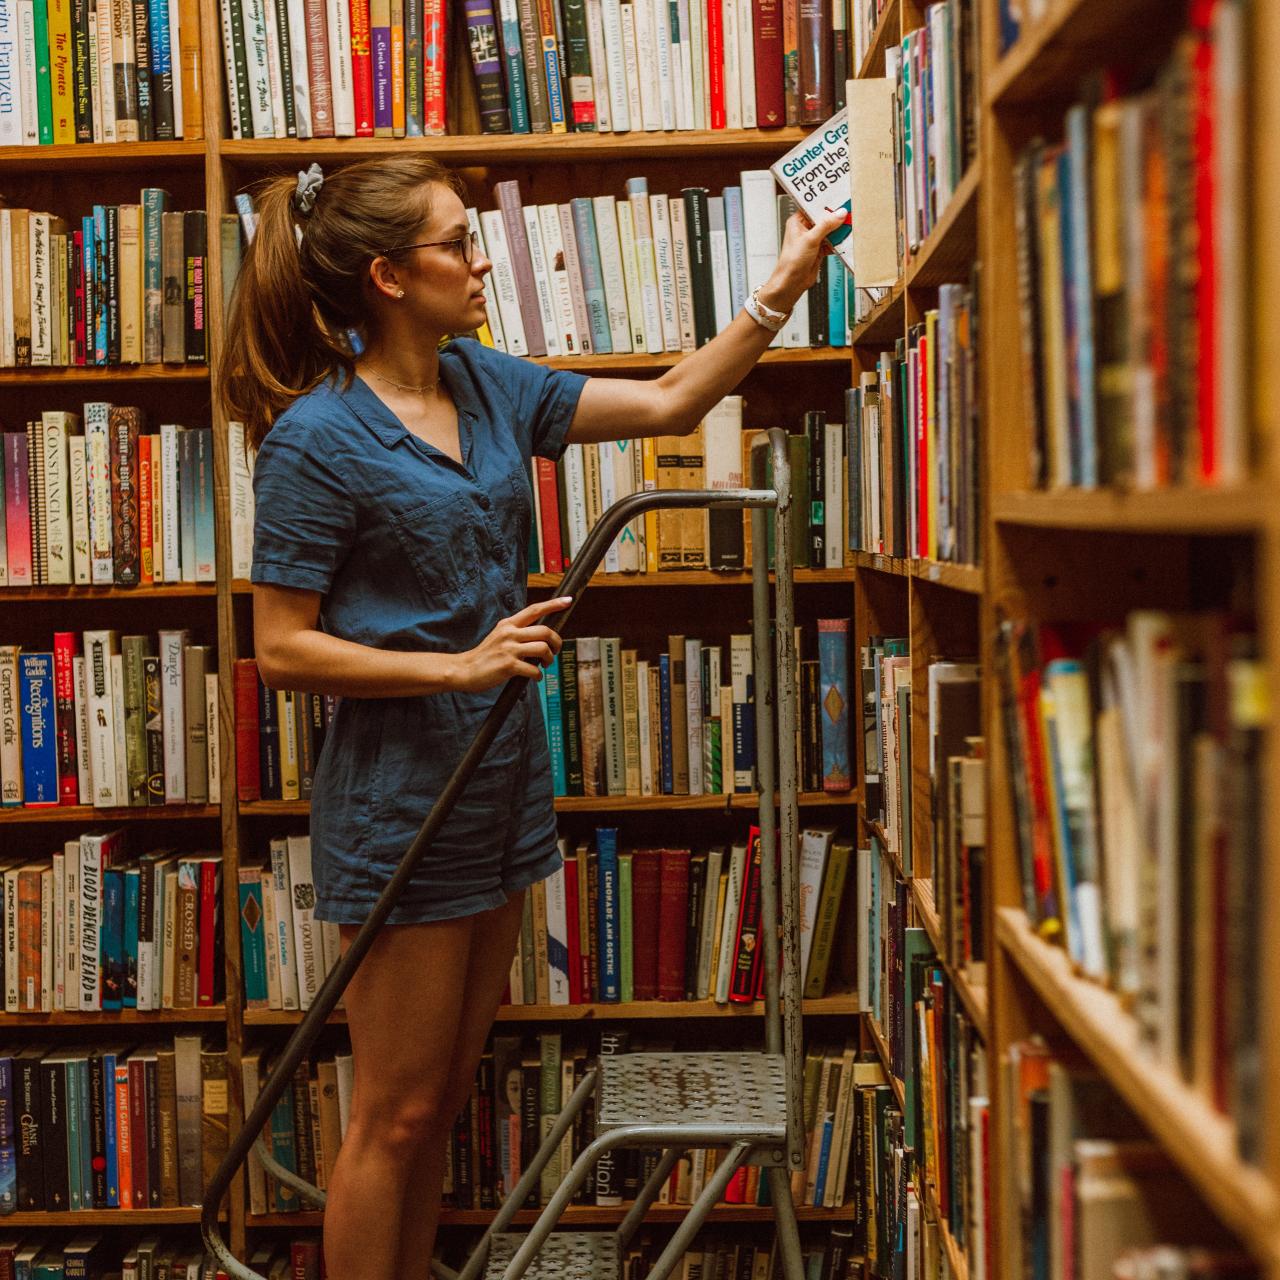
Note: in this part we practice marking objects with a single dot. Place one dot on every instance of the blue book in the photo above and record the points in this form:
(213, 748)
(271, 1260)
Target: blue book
(608, 913)
(1082, 376)
(555, 727)
(187, 504)
(736, 237)
(109, 1057)
(48, 1267)
(100, 299)
(111, 939)
(132, 901)
(824, 1160)
(89, 260)
(664, 715)
(8, 1146)
(836, 294)
(584, 227)
(513, 66)
(282, 1147)
(253, 951)
(203, 515)
(39, 732)
(833, 675)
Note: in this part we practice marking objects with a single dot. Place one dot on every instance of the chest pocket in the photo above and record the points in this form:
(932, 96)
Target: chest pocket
(443, 540)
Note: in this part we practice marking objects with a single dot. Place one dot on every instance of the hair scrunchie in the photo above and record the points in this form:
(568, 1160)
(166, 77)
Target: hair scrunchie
(310, 180)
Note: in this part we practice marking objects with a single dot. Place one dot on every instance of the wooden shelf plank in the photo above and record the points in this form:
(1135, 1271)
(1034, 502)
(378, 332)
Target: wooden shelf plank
(959, 577)
(841, 1005)
(1073, 38)
(882, 1049)
(888, 31)
(1198, 1138)
(114, 1017)
(580, 1215)
(885, 323)
(80, 593)
(132, 373)
(1244, 509)
(948, 252)
(593, 804)
(117, 156)
(525, 150)
(21, 815)
(184, 1216)
(894, 565)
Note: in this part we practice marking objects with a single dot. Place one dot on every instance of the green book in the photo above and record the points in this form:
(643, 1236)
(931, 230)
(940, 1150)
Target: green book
(625, 932)
(44, 82)
(549, 1108)
(904, 776)
(134, 651)
(569, 715)
(528, 970)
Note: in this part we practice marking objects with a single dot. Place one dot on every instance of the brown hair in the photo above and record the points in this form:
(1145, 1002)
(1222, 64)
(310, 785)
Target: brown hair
(293, 300)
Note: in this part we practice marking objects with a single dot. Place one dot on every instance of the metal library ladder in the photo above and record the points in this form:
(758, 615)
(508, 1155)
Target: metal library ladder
(745, 1104)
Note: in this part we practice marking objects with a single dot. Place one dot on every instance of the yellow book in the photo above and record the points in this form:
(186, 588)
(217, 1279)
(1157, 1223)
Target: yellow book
(397, 68)
(130, 276)
(668, 474)
(287, 717)
(542, 973)
(61, 72)
(649, 474)
(190, 73)
(630, 722)
(824, 926)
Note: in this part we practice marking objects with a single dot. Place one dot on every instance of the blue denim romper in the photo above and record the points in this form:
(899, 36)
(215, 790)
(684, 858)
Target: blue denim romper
(412, 551)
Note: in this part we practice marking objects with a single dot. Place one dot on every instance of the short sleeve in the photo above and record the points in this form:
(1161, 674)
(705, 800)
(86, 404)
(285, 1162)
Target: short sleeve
(544, 399)
(304, 513)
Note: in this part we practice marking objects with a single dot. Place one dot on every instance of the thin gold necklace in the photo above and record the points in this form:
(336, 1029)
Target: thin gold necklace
(400, 386)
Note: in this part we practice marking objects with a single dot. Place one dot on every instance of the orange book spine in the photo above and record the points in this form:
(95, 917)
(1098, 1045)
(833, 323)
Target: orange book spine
(124, 1137)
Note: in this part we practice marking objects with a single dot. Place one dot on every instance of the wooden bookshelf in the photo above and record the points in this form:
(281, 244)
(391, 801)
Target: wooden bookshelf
(87, 815)
(1243, 510)
(129, 374)
(115, 1018)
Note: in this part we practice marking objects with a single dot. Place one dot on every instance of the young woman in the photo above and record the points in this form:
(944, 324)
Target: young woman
(393, 514)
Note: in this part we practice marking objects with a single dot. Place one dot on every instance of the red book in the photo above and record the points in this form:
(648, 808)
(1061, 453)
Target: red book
(715, 62)
(673, 910)
(124, 1135)
(304, 1257)
(138, 1131)
(147, 566)
(362, 68)
(549, 506)
(571, 929)
(736, 1191)
(65, 646)
(746, 957)
(922, 450)
(591, 970)
(248, 776)
(207, 932)
(646, 898)
(1206, 294)
(770, 107)
(434, 43)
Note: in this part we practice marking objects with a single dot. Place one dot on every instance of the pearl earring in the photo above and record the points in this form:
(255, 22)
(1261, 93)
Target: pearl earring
(399, 293)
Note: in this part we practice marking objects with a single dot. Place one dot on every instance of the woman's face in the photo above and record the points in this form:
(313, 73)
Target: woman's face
(443, 288)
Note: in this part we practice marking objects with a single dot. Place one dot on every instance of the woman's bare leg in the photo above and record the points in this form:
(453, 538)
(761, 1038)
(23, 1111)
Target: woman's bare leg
(493, 943)
(405, 1008)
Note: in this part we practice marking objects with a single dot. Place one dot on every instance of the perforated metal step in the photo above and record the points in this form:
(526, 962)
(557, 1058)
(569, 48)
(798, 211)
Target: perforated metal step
(565, 1255)
(698, 1090)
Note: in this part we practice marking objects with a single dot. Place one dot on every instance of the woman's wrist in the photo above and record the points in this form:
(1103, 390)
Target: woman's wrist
(779, 294)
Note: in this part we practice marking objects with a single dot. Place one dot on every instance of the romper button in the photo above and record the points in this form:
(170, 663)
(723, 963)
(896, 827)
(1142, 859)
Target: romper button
(484, 502)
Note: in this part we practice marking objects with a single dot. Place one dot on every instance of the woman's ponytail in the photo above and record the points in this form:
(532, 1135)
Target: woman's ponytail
(303, 280)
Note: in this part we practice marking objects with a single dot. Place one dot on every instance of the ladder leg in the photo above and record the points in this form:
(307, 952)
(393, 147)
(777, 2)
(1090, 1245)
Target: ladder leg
(648, 1194)
(699, 1211)
(784, 1212)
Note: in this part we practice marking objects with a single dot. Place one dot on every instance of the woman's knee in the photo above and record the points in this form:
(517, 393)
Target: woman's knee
(404, 1127)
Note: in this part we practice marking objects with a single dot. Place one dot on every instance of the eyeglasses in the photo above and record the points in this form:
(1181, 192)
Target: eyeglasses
(465, 245)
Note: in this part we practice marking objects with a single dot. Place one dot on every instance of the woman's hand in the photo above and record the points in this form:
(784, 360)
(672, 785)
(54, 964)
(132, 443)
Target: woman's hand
(517, 646)
(804, 245)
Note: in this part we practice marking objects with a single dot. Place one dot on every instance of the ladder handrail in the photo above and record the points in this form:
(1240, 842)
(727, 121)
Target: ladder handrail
(313, 1022)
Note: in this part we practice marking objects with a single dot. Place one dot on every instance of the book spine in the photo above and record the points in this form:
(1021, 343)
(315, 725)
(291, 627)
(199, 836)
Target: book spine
(486, 62)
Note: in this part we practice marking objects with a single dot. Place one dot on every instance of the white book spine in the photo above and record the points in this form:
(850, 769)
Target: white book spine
(78, 482)
(338, 15)
(682, 68)
(98, 455)
(241, 486)
(815, 843)
(284, 924)
(297, 37)
(306, 934)
(270, 945)
(117, 703)
(179, 119)
(719, 263)
(71, 924)
(90, 882)
(729, 923)
(760, 229)
(213, 745)
(599, 65)
(229, 69)
(10, 727)
(170, 514)
(615, 287)
(573, 268)
(615, 56)
(558, 939)
(41, 319)
(259, 71)
(98, 648)
(631, 61)
(94, 95)
(490, 291)
(59, 891)
(146, 953)
(47, 949)
(27, 72)
(622, 456)
(542, 279)
(647, 61)
(698, 61)
(10, 78)
(662, 53)
(608, 496)
(747, 62)
(562, 298)
(664, 258)
(693, 713)
(275, 75)
(172, 712)
(646, 264)
(643, 727)
(84, 773)
(684, 276)
(504, 279)
(706, 938)
(57, 496)
(732, 86)
(631, 274)
(575, 483)
(11, 942)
